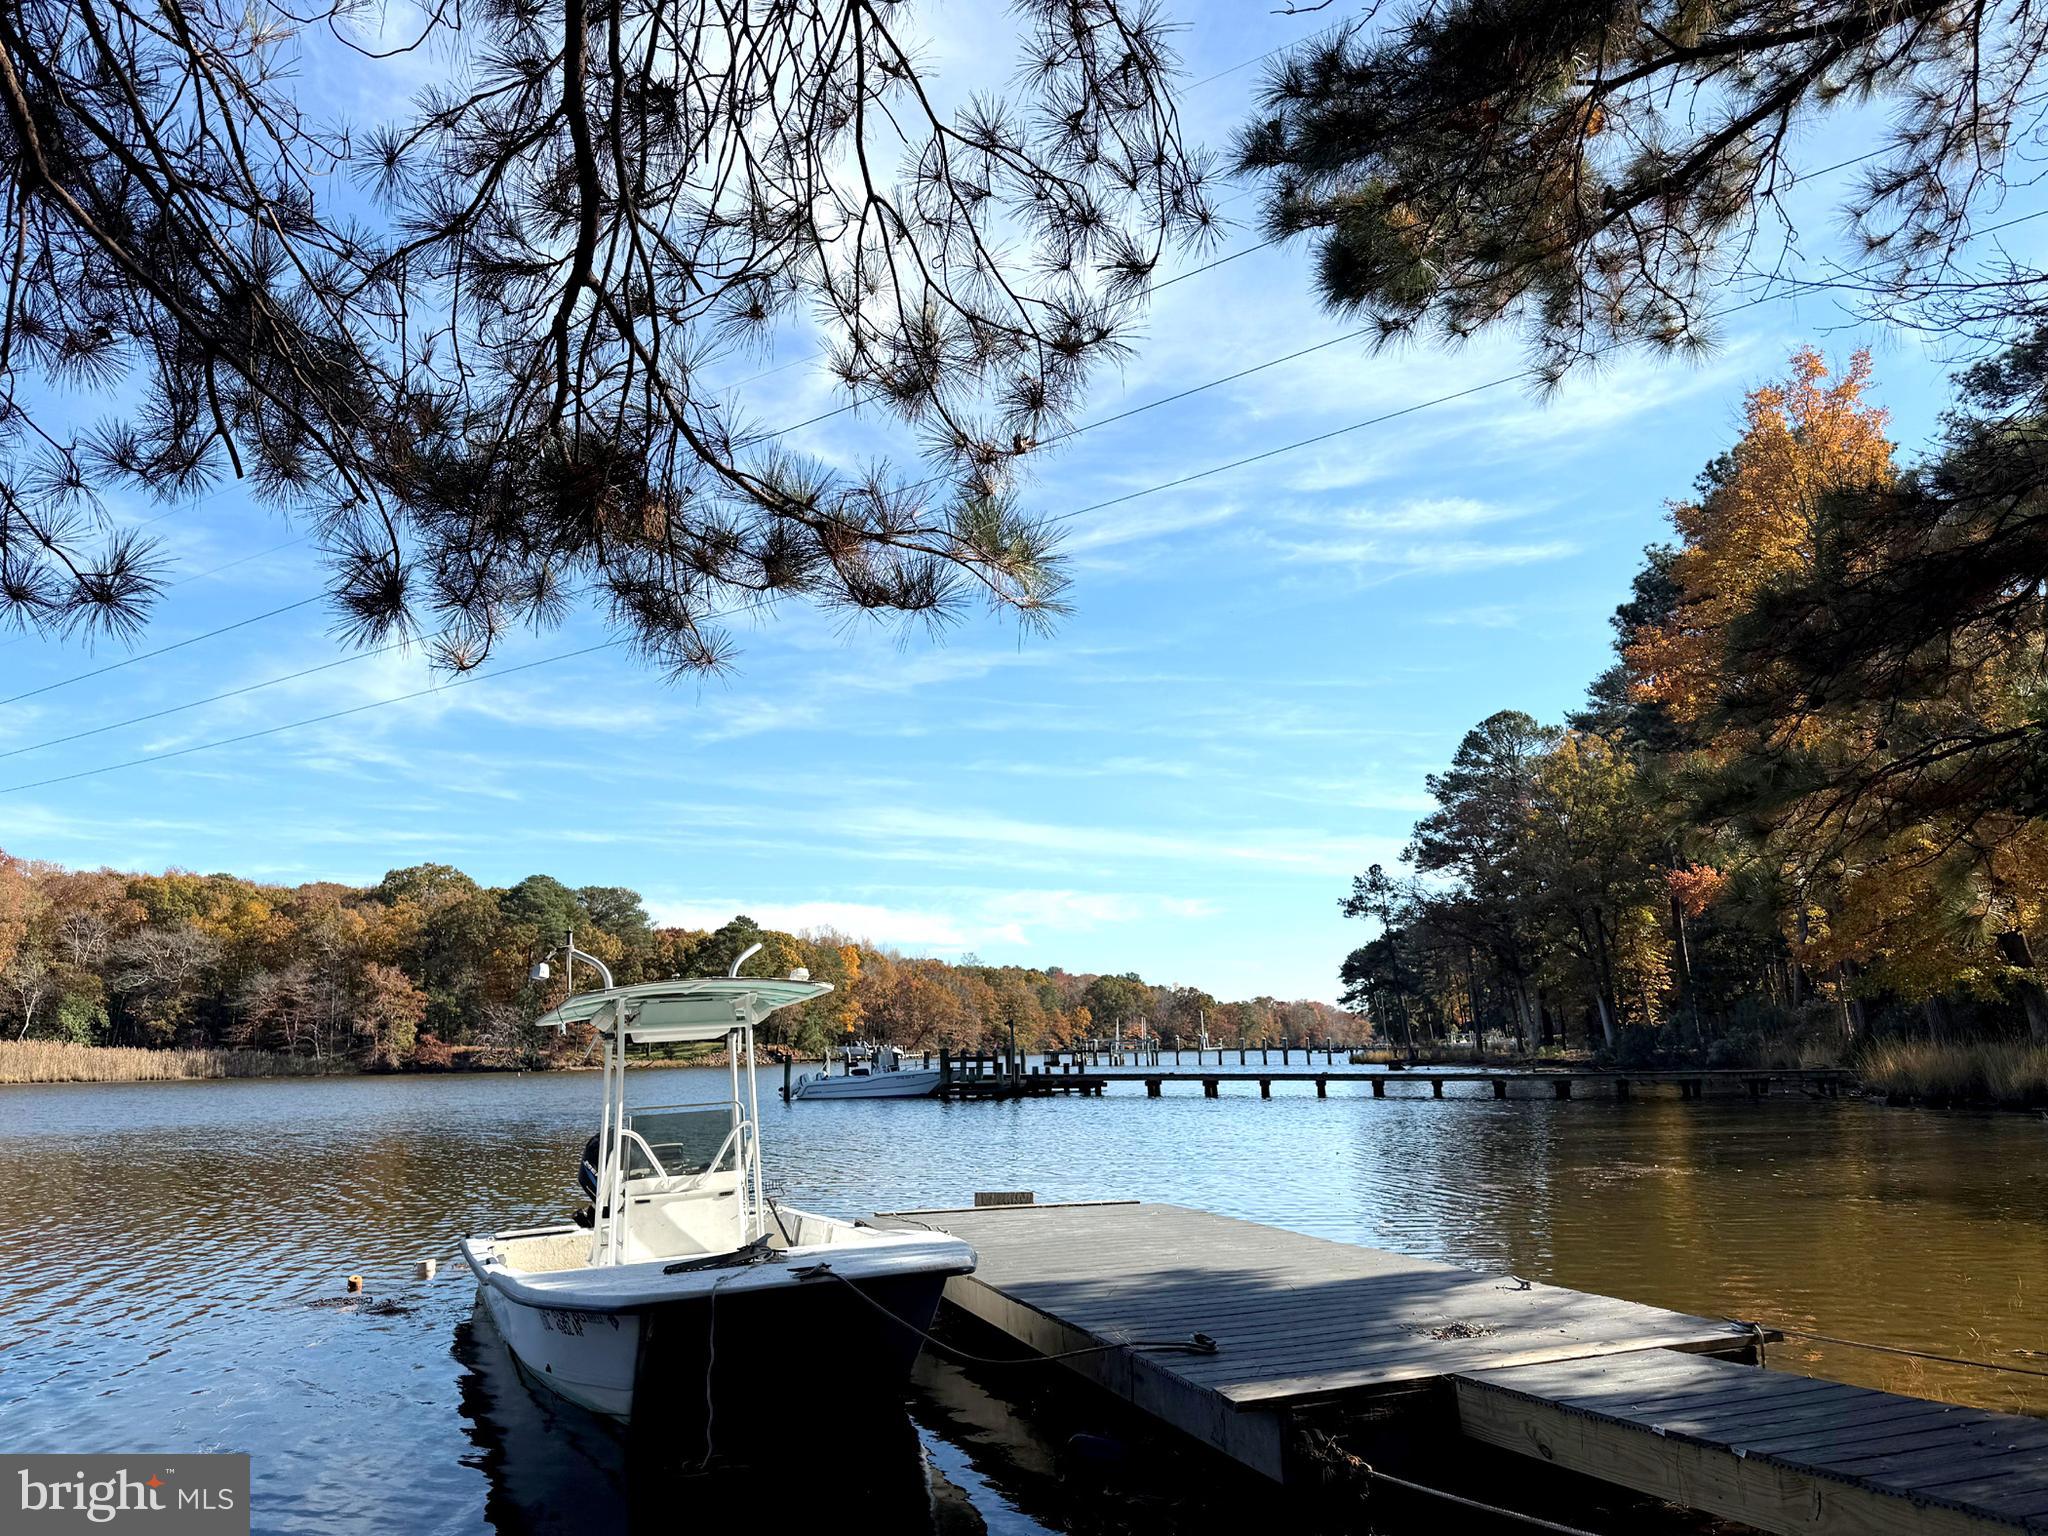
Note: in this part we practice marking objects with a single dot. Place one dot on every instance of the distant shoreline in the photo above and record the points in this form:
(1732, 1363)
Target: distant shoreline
(24, 1062)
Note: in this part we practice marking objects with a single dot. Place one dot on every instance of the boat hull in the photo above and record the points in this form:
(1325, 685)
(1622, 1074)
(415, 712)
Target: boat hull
(825, 1322)
(588, 1357)
(910, 1083)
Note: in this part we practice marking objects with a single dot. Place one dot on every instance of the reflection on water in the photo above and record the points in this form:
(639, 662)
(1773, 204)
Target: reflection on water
(172, 1259)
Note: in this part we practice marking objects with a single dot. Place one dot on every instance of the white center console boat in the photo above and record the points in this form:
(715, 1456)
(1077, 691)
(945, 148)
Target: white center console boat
(690, 1292)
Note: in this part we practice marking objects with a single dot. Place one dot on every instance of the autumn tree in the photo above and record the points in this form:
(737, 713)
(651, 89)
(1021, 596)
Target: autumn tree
(387, 1011)
(1864, 800)
(444, 926)
(428, 968)
(162, 974)
(1921, 619)
(1808, 442)
(1114, 1000)
(918, 1011)
(302, 1009)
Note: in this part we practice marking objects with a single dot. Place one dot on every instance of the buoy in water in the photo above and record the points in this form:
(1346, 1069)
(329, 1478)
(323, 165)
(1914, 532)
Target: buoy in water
(428, 1268)
(355, 1284)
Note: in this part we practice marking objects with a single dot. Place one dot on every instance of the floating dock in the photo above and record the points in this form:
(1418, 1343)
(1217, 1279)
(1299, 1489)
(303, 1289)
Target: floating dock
(1773, 1450)
(1307, 1331)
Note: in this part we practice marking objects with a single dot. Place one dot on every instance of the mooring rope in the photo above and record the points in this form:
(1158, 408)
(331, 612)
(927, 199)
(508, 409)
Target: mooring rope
(1500, 1512)
(710, 1369)
(1325, 1447)
(1198, 1344)
(1193, 1344)
(1892, 1349)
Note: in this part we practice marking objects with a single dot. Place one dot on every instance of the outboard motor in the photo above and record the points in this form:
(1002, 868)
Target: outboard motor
(586, 1177)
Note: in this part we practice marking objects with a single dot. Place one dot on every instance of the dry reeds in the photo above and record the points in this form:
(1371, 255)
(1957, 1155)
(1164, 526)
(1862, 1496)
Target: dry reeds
(62, 1061)
(2003, 1072)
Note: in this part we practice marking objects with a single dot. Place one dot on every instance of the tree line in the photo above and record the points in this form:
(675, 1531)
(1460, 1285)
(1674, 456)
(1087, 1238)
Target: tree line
(428, 968)
(1804, 807)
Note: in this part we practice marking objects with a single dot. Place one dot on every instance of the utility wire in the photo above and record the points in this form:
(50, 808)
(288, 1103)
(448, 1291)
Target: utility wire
(1075, 432)
(232, 693)
(1334, 27)
(1801, 284)
(335, 714)
(1178, 277)
(1306, 442)
(162, 650)
(243, 560)
(1320, 437)
(757, 438)
(1203, 474)
(609, 644)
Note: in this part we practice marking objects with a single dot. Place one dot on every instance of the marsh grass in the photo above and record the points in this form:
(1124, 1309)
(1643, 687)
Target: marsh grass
(61, 1061)
(2009, 1073)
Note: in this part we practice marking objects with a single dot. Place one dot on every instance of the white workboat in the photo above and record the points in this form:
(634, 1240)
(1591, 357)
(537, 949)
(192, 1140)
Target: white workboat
(690, 1292)
(869, 1073)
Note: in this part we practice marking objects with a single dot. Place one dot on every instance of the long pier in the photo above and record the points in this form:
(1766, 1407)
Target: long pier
(1270, 1347)
(999, 1077)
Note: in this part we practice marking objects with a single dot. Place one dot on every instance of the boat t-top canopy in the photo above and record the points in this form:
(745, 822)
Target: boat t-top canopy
(707, 1008)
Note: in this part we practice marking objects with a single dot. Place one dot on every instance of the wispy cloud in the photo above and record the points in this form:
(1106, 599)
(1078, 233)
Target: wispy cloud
(972, 920)
(1387, 558)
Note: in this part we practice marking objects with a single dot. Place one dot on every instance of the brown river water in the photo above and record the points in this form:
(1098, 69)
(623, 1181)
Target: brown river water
(172, 1256)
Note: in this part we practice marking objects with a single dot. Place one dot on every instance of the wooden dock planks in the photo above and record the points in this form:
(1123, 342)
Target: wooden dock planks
(1776, 1451)
(1295, 1318)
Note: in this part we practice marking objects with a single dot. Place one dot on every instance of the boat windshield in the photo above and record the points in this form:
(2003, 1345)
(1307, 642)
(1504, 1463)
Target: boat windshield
(687, 1138)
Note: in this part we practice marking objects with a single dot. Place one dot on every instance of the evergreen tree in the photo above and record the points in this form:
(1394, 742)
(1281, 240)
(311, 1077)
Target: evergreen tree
(1604, 171)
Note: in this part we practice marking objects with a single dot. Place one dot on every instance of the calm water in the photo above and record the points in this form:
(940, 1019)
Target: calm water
(172, 1255)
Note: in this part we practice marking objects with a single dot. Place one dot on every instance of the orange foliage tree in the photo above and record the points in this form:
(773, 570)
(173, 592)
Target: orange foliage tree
(1807, 439)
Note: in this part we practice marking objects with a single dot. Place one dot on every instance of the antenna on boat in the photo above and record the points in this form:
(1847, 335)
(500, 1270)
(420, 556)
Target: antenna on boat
(570, 955)
(745, 955)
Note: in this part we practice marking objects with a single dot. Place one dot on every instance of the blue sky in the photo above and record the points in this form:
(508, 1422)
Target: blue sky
(1260, 669)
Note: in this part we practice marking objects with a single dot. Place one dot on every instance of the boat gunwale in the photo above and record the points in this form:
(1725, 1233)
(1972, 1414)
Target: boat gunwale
(881, 1254)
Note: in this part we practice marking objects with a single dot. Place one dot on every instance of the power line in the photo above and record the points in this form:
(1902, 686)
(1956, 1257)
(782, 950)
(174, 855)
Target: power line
(1196, 389)
(162, 650)
(232, 693)
(1086, 427)
(244, 560)
(1845, 277)
(1178, 277)
(610, 644)
(782, 431)
(1271, 53)
(293, 725)
(1306, 442)
(1320, 437)
(1203, 474)
(1508, 378)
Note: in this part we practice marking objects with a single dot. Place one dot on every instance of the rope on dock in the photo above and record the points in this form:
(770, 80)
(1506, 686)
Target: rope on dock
(1499, 1512)
(1328, 1449)
(1894, 1349)
(1193, 1344)
(1201, 1344)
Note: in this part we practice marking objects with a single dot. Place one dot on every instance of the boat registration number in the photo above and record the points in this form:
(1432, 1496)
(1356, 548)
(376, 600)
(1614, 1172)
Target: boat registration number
(557, 1321)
